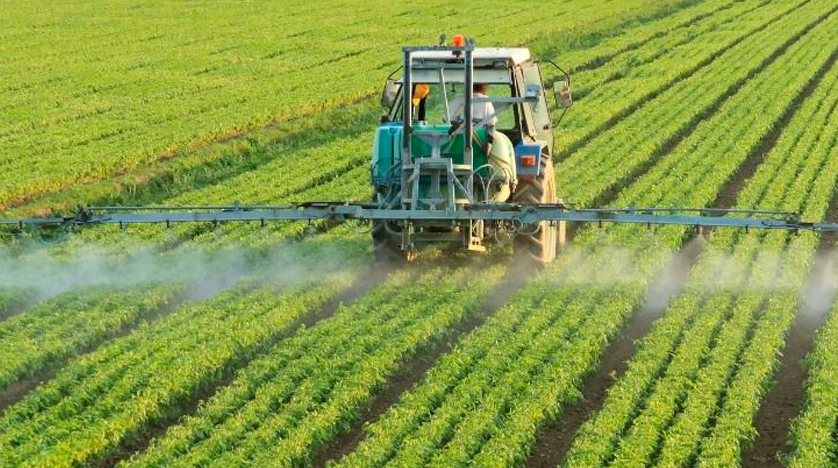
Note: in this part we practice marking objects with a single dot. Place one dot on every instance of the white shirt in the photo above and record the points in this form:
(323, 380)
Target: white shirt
(479, 110)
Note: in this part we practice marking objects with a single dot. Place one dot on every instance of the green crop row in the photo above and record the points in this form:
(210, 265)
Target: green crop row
(813, 432)
(263, 180)
(606, 93)
(733, 423)
(659, 410)
(112, 395)
(281, 181)
(456, 399)
(69, 324)
(495, 419)
(218, 161)
(12, 298)
(663, 120)
(308, 388)
(78, 117)
(450, 428)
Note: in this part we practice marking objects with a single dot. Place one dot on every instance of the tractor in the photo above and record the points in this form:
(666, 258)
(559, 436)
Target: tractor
(421, 159)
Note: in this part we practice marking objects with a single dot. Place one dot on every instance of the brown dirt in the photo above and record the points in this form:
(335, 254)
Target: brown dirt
(19, 389)
(554, 440)
(727, 197)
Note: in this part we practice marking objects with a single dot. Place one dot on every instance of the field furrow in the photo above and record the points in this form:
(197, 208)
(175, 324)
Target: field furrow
(286, 344)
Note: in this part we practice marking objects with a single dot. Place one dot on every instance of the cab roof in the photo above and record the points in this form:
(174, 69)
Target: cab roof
(517, 55)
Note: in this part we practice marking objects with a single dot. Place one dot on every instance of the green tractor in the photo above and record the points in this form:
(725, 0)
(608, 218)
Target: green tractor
(422, 160)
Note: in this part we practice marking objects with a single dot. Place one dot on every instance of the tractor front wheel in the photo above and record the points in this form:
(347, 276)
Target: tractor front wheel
(538, 247)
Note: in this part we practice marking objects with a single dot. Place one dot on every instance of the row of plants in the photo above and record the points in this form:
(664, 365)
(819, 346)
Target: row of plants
(813, 431)
(283, 407)
(663, 121)
(63, 327)
(214, 162)
(264, 177)
(533, 327)
(659, 410)
(733, 427)
(692, 25)
(207, 165)
(281, 181)
(111, 396)
(607, 93)
(144, 105)
(13, 298)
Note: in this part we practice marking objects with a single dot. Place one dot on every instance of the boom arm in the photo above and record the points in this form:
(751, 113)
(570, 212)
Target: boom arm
(514, 214)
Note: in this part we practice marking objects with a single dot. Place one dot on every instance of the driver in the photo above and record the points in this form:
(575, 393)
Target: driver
(497, 147)
(479, 110)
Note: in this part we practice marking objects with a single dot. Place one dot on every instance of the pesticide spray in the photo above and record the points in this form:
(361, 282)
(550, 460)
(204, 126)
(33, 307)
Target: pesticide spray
(203, 272)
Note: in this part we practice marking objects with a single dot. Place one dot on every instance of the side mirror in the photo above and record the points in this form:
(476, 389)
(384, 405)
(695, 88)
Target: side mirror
(390, 93)
(562, 93)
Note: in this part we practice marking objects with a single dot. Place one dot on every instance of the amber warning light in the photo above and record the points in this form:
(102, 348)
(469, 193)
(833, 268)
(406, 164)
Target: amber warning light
(458, 40)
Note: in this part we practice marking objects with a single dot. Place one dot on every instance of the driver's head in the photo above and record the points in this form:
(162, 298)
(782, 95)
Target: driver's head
(481, 88)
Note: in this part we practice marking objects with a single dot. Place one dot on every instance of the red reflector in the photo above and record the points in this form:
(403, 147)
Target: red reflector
(528, 160)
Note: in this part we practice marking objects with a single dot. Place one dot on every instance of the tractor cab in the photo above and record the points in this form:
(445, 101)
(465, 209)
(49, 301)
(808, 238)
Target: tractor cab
(442, 146)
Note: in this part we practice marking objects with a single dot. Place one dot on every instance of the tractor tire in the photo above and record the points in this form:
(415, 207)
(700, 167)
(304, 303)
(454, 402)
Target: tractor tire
(540, 247)
(385, 246)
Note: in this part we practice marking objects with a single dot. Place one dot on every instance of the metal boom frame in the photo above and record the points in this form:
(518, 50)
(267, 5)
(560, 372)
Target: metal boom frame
(516, 214)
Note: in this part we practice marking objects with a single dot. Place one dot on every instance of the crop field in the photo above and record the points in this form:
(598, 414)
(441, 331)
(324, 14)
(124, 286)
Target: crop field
(286, 345)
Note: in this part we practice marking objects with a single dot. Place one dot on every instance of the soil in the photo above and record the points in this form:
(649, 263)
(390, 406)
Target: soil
(19, 389)
(785, 399)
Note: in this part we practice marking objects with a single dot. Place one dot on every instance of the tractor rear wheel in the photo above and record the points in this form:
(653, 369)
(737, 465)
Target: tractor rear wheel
(539, 247)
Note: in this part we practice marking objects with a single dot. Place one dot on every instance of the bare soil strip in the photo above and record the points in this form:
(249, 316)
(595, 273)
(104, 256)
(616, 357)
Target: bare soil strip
(413, 372)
